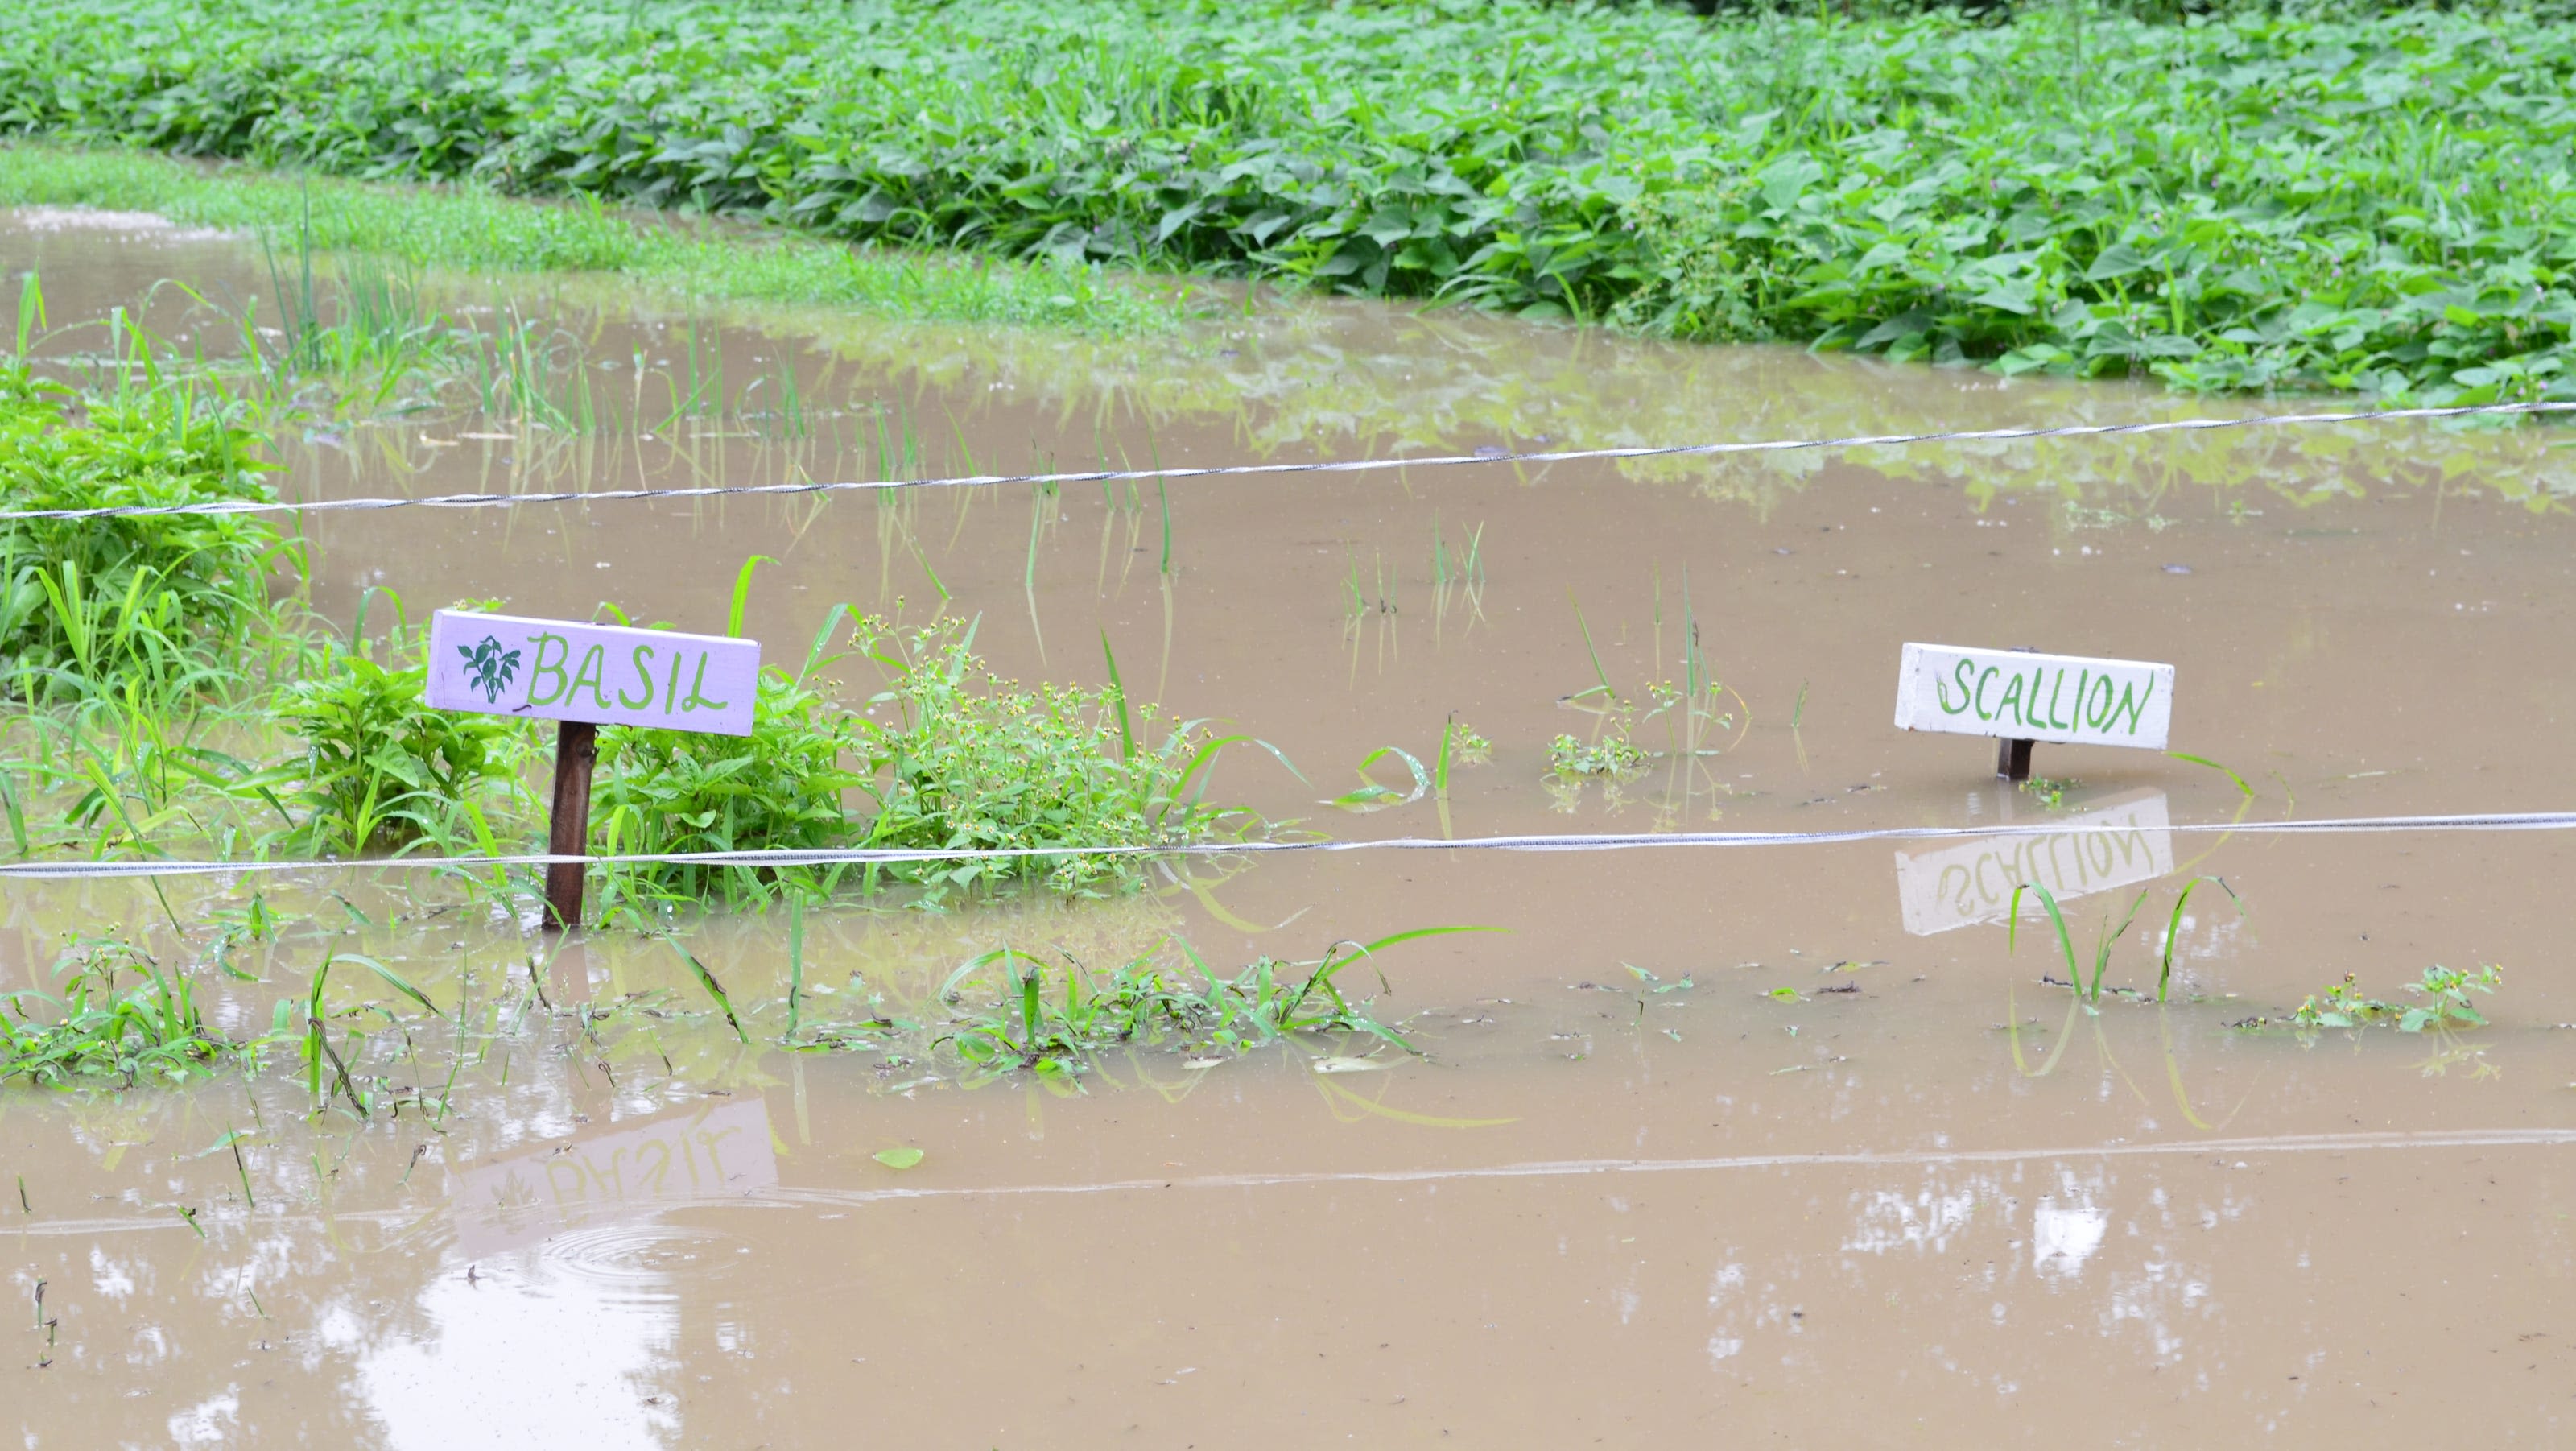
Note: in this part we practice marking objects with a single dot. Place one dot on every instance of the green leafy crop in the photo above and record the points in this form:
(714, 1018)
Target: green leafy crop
(2248, 200)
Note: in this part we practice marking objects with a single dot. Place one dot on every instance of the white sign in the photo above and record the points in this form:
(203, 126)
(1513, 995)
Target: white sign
(2122, 842)
(719, 1152)
(560, 670)
(2024, 696)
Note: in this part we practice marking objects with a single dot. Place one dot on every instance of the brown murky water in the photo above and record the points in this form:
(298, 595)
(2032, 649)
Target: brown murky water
(1856, 1177)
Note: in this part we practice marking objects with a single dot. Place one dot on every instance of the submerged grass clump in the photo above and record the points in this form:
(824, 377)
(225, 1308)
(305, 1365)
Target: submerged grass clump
(120, 1020)
(2255, 199)
(2089, 990)
(1008, 1011)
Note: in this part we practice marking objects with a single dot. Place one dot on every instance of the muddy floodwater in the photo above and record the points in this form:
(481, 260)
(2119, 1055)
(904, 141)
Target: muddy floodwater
(1709, 1146)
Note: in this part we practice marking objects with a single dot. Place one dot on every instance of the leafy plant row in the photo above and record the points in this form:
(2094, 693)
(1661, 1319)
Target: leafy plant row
(2380, 203)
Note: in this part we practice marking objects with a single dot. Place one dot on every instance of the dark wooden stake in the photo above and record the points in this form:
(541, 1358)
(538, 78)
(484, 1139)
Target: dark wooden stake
(576, 751)
(2012, 761)
(2012, 758)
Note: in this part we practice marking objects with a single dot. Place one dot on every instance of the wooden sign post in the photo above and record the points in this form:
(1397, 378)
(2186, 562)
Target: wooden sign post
(587, 676)
(2023, 697)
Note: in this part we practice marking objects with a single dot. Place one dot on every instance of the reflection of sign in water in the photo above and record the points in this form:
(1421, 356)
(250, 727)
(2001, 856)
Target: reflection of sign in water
(2125, 840)
(523, 1200)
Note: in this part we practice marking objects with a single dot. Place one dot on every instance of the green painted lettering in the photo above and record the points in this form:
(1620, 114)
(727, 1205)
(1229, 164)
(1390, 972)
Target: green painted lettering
(643, 658)
(2097, 706)
(2010, 705)
(695, 700)
(2135, 707)
(671, 692)
(2049, 715)
(543, 667)
(594, 661)
(1982, 682)
(1941, 689)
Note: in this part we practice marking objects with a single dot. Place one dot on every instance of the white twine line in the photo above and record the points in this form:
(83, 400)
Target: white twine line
(864, 856)
(796, 1197)
(1348, 466)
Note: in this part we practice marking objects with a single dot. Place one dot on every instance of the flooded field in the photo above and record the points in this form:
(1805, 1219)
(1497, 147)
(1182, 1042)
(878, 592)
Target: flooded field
(1789, 1143)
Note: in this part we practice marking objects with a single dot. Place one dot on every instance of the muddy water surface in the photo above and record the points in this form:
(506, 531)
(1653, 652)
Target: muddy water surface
(1778, 1142)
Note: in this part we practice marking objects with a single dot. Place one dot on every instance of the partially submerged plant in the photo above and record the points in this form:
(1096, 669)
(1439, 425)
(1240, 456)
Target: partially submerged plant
(958, 759)
(2446, 1003)
(1148, 1003)
(2089, 990)
(105, 1027)
(1612, 755)
(2050, 791)
(380, 767)
(780, 788)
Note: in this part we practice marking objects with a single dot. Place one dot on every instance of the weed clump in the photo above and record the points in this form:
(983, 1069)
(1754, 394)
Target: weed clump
(379, 767)
(950, 757)
(1147, 1005)
(1008, 1011)
(88, 605)
(959, 759)
(104, 1027)
(1613, 755)
(780, 788)
(2447, 1004)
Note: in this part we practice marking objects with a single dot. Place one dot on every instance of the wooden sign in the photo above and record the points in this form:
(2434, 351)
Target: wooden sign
(586, 676)
(602, 674)
(2120, 842)
(2021, 696)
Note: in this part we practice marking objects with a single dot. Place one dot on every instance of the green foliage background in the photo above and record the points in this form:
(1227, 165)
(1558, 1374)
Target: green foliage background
(2380, 203)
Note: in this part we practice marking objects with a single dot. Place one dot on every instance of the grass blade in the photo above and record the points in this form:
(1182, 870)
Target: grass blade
(396, 981)
(707, 979)
(2213, 765)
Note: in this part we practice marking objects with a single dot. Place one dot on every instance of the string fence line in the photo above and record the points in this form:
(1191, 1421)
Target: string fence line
(783, 1197)
(1344, 466)
(1577, 842)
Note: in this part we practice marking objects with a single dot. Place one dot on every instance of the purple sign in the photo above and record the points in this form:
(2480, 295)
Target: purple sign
(560, 670)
